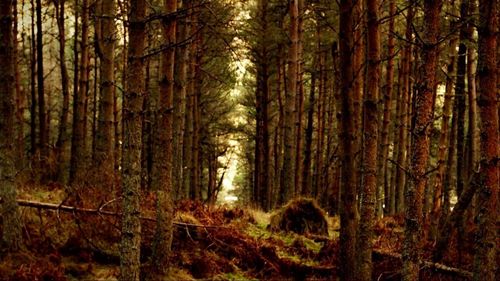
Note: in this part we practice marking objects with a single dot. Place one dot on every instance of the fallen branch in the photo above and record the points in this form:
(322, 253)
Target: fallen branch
(98, 211)
(426, 264)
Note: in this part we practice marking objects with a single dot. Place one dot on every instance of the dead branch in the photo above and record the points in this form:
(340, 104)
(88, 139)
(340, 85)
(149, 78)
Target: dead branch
(432, 265)
(99, 211)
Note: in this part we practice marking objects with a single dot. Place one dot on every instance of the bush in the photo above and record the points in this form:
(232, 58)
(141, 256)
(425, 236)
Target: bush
(300, 215)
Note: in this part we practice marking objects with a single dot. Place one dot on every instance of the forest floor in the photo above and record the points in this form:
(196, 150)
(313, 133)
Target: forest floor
(210, 243)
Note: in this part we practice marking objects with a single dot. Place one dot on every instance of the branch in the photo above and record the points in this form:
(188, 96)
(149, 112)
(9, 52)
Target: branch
(98, 211)
(436, 266)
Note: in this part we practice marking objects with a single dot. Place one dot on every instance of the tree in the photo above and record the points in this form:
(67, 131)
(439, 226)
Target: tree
(62, 136)
(42, 119)
(370, 143)
(105, 32)
(287, 185)
(421, 143)
(78, 151)
(485, 259)
(11, 226)
(132, 128)
(162, 181)
(348, 205)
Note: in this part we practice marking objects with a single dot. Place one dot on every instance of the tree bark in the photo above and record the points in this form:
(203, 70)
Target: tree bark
(288, 174)
(104, 152)
(348, 205)
(10, 234)
(444, 136)
(370, 144)
(421, 143)
(164, 154)
(383, 180)
(42, 119)
(62, 137)
(78, 151)
(131, 161)
(486, 217)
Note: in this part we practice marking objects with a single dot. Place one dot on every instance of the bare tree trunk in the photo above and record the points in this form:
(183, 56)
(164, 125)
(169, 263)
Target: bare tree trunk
(306, 175)
(370, 144)
(42, 119)
(288, 173)
(348, 205)
(402, 156)
(181, 67)
(132, 125)
(164, 154)
(78, 155)
(300, 100)
(33, 137)
(421, 143)
(10, 234)
(383, 181)
(485, 258)
(62, 136)
(444, 137)
(104, 153)
(19, 96)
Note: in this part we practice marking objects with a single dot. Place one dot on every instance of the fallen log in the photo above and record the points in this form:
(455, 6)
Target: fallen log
(432, 265)
(98, 211)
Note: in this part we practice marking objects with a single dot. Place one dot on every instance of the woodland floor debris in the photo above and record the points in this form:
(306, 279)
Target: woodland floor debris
(210, 243)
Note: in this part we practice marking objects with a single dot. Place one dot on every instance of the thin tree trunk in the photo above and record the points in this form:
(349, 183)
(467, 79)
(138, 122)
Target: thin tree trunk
(384, 141)
(33, 137)
(300, 100)
(10, 234)
(306, 175)
(62, 136)
(485, 258)
(19, 94)
(181, 67)
(162, 173)
(132, 120)
(348, 205)
(370, 144)
(42, 119)
(402, 156)
(78, 155)
(421, 143)
(288, 174)
(104, 153)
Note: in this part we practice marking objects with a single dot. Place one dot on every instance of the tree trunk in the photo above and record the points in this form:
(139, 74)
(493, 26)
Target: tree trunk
(33, 137)
(19, 96)
(42, 119)
(104, 153)
(383, 181)
(421, 143)
(370, 144)
(402, 156)
(78, 155)
(306, 175)
(10, 234)
(288, 174)
(132, 125)
(300, 100)
(444, 136)
(181, 67)
(348, 205)
(485, 258)
(62, 136)
(164, 154)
